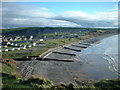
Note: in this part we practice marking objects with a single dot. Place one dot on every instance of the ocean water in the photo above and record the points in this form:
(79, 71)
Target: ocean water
(102, 58)
(111, 52)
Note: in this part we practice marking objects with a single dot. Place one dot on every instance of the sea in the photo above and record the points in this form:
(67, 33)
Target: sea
(101, 59)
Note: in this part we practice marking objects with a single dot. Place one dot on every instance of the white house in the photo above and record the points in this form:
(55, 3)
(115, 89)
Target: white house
(41, 40)
(34, 44)
(16, 44)
(25, 39)
(24, 45)
(29, 46)
(24, 48)
(13, 49)
(6, 49)
(10, 39)
(18, 48)
(5, 46)
(12, 43)
(31, 37)
(8, 43)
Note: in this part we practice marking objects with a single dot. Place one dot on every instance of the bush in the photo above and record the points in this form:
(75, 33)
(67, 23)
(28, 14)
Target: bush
(38, 82)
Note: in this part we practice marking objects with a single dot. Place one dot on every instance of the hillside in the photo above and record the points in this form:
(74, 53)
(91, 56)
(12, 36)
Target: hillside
(43, 30)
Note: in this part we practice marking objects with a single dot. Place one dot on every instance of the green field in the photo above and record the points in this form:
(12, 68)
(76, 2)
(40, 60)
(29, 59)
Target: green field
(52, 43)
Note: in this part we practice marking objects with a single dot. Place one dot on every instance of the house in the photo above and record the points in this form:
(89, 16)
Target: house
(20, 45)
(41, 40)
(8, 43)
(5, 40)
(10, 39)
(24, 48)
(24, 38)
(16, 44)
(45, 37)
(25, 45)
(12, 44)
(34, 44)
(6, 50)
(29, 46)
(18, 48)
(13, 49)
(5, 46)
(31, 37)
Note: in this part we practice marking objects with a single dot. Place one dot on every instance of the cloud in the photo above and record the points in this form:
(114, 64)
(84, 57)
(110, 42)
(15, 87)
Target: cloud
(19, 15)
(29, 16)
(100, 19)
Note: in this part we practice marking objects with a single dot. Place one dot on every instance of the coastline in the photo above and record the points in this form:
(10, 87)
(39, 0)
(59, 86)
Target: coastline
(93, 40)
(61, 71)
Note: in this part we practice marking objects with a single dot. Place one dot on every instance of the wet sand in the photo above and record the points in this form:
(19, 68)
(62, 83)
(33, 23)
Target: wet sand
(58, 71)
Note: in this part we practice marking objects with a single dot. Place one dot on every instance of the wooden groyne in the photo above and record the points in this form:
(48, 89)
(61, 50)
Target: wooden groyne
(85, 44)
(82, 46)
(72, 49)
(52, 59)
(21, 59)
(32, 56)
(65, 53)
(42, 59)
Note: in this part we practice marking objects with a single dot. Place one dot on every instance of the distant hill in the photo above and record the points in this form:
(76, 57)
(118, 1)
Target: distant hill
(44, 30)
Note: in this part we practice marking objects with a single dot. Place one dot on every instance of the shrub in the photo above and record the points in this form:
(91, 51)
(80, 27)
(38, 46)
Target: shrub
(38, 82)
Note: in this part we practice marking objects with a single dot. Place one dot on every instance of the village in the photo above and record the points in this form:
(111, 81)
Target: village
(17, 43)
(12, 43)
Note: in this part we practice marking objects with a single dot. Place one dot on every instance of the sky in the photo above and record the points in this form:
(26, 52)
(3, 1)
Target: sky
(59, 14)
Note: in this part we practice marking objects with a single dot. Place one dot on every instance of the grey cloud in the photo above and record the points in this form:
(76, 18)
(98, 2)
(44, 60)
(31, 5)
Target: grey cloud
(87, 20)
(14, 15)
(28, 16)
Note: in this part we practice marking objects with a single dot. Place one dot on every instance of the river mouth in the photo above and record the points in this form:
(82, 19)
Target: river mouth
(89, 64)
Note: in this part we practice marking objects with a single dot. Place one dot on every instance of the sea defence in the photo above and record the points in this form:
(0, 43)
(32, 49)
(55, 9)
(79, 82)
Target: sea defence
(64, 53)
(79, 50)
(88, 44)
(42, 59)
(82, 46)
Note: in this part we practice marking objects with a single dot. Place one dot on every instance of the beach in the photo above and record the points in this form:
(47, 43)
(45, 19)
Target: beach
(81, 71)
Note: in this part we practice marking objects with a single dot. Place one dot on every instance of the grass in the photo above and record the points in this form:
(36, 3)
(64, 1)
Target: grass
(59, 42)
(12, 54)
(108, 84)
(52, 43)
(12, 81)
(7, 68)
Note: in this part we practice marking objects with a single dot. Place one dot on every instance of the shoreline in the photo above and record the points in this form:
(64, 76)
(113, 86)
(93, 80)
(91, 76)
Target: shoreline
(92, 40)
(60, 71)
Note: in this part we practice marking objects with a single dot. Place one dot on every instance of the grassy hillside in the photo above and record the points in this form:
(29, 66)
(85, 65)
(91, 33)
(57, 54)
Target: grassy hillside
(43, 30)
(13, 81)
